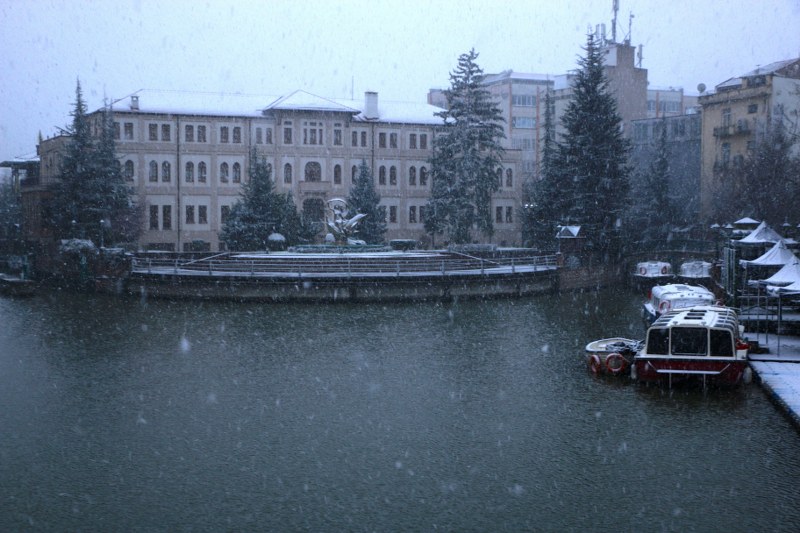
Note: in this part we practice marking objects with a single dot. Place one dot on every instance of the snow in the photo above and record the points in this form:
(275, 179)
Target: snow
(762, 234)
(777, 255)
(782, 380)
(790, 273)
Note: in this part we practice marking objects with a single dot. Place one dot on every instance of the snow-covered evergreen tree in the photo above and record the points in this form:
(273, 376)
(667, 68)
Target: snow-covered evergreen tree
(466, 156)
(591, 162)
(654, 215)
(364, 199)
(90, 199)
(261, 212)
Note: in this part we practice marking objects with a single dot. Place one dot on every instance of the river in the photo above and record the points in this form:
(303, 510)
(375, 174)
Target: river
(146, 415)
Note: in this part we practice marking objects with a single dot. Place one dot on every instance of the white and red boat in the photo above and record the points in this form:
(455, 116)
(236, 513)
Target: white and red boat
(612, 356)
(702, 343)
(674, 296)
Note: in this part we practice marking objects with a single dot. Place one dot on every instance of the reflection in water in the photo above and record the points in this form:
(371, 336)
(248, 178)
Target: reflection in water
(467, 416)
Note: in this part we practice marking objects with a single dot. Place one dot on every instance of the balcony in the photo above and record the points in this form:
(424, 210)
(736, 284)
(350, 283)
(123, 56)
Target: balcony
(723, 131)
(314, 186)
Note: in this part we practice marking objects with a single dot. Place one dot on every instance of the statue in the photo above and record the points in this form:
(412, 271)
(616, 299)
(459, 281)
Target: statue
(340, 227)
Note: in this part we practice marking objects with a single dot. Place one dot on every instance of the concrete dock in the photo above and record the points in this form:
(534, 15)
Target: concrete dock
(779, 371)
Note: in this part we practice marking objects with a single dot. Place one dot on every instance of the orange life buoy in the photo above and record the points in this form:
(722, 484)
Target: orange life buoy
(642, 271)
(719, 303)
(664, 270)
(615, 363)
(594, 363)
(663, 307)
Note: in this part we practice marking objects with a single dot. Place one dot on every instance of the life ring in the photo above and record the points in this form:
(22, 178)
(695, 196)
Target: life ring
(663, 307)
(615, 363)
(594, 363)
(642, 271)
(664, 270)
(719, 303)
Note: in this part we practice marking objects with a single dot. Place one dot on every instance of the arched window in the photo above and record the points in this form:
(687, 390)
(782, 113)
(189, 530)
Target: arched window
(128, 172)
(287, 173)
(202, 172)
(223, 173)
(153, 171)
(237, 173)
(382, 176)
(355, 172)
(412, 176)
(189, 174)
(393, 175)
(337, 174)
(313, 171)
(165, 171)
(423, 177)
(509, 178)
(499, 177)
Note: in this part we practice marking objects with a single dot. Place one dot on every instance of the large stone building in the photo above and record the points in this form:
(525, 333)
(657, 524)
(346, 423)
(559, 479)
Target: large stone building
(739, 112)
(186, 155)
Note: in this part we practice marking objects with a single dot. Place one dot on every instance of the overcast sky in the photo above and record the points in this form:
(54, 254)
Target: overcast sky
(336, 48)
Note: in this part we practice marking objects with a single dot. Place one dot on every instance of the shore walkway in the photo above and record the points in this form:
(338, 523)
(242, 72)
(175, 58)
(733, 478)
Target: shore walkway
(779, 371)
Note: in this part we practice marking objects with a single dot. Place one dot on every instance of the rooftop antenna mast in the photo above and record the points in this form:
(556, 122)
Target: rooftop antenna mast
(630, 23)
(615, 8)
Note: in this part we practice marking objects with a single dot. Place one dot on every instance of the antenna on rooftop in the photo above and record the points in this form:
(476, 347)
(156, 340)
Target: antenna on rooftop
(630, 23)
(615, 8)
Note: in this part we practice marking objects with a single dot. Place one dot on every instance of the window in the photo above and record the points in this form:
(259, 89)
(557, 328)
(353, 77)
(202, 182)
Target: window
(752, 108)
(202, 214)
(726, 153)
(312, 133)
(523, 122)
(423, 141)
(237, 173)
(658, 342)
(423, 177)
(189, 173)
(498, 214)
(499, 177)
(392, 140)
(313, 171)
(166, 217)
(393, 175)
(287, 133)
(523, 100)
(412, 215)
(153, 171)
(224, 213)
(381, 140)
(287, 173)
(190, 214)
(153, 132)
(412, 141)
(721, 343)
(509, 214)
(153, 217)
(689, 341)
(165, 133)
(726, 116)
(268, 133)
(188, 133)
(393, 214)
(128, 131)
(237, 134)
(337, 134)
(382, 176)
(117, 131)
(509, 178)
(223, 134)
(355, 173)
(259, 136)
(201, 134)
(422, 214)
(202, 172)
(363, 138)
(354, 138)
(128, 172)
(223, 172)
(165, 172)
(337, 175)
(412, 176)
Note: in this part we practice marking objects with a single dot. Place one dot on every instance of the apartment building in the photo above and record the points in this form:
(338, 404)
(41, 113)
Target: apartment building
(669, 102)
(739, 112)
(187, 154)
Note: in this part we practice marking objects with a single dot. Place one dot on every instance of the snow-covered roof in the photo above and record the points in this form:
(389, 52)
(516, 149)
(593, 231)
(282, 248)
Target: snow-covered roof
(771, 68)
(790, 273)
(777, 255)
(511, 75)
(253, 105)
(762, 234)
(568, 232)
(746, 221)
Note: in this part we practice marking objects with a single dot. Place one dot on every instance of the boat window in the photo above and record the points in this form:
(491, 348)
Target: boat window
(721, 343)
(689, 341)
(658, 341)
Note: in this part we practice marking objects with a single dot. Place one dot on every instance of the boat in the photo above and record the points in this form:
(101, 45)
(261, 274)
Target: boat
(695, 270)
(653, 270)
(16, 286)
(674, 296)
(611, 356)
(701, 343)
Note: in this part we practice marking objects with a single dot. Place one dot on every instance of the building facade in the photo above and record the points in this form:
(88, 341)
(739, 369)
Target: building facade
(739, 113)
(186, 155)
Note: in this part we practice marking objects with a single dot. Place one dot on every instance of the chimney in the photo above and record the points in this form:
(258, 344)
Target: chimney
(370, 105)
(135, 102)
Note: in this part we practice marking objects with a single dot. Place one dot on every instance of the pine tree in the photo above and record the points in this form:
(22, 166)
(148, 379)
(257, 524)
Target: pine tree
(90, 199)
(260, 212)
(591, 160)
(654, 214)
(364, 199)
(466, 156)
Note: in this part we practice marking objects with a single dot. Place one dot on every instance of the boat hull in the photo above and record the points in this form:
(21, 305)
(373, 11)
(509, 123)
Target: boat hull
(675, 370)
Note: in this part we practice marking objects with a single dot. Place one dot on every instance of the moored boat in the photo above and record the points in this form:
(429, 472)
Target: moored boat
(672, 297)
(702, 343)
(16, 286)
(611, 356)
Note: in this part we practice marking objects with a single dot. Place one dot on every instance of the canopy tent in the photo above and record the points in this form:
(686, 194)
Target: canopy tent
(789, 274)
(776, 256)
(793, 289)
(762, 234)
